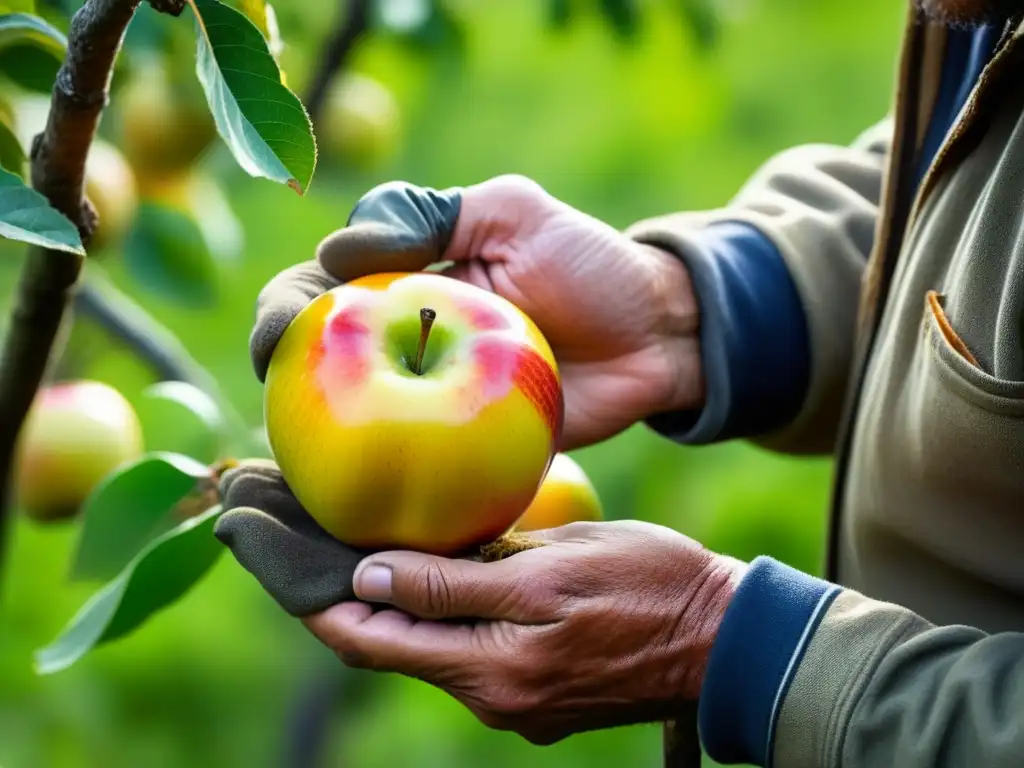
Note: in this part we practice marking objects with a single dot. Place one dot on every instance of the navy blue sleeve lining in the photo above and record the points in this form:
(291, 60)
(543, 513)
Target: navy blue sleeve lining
(755, 347)
(764, 634)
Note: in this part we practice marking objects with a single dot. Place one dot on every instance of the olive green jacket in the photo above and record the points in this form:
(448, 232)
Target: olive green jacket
(913, 295)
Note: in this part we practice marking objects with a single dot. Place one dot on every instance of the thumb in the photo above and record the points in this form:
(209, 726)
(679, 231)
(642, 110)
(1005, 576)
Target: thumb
(431, 587)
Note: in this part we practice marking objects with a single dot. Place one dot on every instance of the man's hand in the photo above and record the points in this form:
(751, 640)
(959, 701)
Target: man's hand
(620, 316)
(606, 624)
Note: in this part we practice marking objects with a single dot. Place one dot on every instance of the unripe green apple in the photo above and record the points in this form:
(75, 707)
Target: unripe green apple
(76, 433)
(361, 122)
(413, 411)
(566, 496)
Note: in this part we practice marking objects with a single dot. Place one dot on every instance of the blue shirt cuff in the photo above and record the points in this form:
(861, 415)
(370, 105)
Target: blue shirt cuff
(755, 347)
(766, 629)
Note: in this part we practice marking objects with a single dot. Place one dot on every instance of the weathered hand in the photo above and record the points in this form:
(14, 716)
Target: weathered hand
(620, 316)
(606, 624)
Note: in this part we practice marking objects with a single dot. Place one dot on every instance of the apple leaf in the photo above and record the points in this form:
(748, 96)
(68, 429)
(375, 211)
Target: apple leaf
(623, 16)
(166, 253)
(157, 577)
(559, 13)
(702, 20)
(31, 50)
(19, 28)
(27, 216)
(177, 416)
(263, 123)
(423, 23)
(17, 6)
(12, 156)
(129, 509)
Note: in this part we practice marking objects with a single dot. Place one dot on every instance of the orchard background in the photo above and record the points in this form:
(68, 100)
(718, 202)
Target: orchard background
(622, 116)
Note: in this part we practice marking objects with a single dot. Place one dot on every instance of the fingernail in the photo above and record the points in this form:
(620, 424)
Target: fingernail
(373, 583)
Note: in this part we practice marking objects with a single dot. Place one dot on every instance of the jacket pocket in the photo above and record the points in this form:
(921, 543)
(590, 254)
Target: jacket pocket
(960, 370)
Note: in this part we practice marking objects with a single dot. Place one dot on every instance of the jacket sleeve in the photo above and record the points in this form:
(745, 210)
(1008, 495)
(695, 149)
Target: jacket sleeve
(777, 274)
(804, 673)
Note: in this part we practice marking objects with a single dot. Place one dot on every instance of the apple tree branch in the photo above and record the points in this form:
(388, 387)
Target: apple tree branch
(336, 53)
(58, 156)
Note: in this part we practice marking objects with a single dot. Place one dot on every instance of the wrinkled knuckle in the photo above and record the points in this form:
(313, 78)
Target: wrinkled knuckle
(511, 703)
(437, 590)
(519, 187)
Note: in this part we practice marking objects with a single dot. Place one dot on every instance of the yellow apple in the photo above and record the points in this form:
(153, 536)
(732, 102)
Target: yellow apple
(361, 121)
(111, 188)
(566, 496)
(165, 125)
(414, 411)
(76, 433)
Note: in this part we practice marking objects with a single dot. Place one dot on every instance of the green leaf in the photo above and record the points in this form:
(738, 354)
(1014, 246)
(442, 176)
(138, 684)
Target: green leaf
(17, 6)
(156, 578)
(559, 13)
(263, 123)
(27, 216)
(12, 156)
(703, 22)
(623, 16)
(31, 50)
(179, 417)
(424, 23)
(129, 509)
(167, 253)
(26, 28)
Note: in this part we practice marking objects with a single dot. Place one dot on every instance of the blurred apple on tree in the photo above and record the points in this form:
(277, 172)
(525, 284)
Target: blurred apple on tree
(361, 123)
(76, 434)
(565, 496)
(110, 186)
(164, 124)
(413, 411)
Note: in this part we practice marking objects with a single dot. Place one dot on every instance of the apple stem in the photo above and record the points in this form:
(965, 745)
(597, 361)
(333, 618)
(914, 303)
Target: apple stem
(427, 317)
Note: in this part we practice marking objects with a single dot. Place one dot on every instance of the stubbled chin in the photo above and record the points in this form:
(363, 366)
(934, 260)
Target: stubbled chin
(969, 13)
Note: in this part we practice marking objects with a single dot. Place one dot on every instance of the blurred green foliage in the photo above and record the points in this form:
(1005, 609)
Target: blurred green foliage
(622, 132)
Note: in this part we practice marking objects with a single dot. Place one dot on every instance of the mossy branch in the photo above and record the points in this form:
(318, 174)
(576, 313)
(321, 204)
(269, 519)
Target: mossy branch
(58, 156)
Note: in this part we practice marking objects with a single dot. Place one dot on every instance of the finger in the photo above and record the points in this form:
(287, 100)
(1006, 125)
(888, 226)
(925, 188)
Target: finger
(287, 294)
(395, 227)
(394, 641)
(430, 587)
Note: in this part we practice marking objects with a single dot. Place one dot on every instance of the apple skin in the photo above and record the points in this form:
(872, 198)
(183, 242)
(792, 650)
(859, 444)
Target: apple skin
(384, 458)
(361, 125)
(76, 433)
(111, 188)
(566, 496)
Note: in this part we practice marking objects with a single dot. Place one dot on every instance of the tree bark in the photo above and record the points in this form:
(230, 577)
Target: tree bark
(336, 53)
(58, 156)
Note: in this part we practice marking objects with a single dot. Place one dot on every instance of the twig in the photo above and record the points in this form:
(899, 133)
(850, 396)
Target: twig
(325, 693)
(128, 321)
(335, 54)
(80, 94)
(680, 741)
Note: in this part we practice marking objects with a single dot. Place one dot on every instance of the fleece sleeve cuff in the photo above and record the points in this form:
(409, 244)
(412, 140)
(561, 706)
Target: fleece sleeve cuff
(764, 634)
(755, 346)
